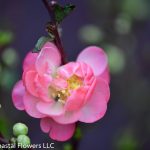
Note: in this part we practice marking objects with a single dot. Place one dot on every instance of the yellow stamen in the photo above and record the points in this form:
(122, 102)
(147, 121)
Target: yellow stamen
(74, 82)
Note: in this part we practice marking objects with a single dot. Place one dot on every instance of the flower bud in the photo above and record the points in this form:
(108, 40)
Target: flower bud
(20, 129)
(23, 140)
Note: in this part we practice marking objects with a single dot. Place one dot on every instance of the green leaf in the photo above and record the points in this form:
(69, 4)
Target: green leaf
(40, 43)
(62, 12)
(68, 9)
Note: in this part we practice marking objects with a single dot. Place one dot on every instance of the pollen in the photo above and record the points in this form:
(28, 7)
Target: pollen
(61, 95)
(74, 82)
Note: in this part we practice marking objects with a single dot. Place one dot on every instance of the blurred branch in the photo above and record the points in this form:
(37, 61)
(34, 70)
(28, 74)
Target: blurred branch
(3, 141)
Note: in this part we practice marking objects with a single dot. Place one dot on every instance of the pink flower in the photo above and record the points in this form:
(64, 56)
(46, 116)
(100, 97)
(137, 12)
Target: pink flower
(63, 95)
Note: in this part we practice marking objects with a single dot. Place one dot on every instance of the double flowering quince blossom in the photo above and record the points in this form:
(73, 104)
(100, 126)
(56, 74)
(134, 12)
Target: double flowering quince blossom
(62, 95)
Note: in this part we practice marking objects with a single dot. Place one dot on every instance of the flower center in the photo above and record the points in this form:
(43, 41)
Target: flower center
(74, 82)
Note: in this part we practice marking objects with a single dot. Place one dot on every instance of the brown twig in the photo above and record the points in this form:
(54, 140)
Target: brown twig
(53, 28)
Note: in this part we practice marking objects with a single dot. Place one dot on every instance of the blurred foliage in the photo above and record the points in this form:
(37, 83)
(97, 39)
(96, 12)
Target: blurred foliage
(7, 79)
(137, 9)
(67, 146)
(127, 141)
(78, 133)
(0, 68)
(90, 34)
(8, 61)
(10, 57)
(116, 59)
(3, 125)
(123, 24)
(6, 37)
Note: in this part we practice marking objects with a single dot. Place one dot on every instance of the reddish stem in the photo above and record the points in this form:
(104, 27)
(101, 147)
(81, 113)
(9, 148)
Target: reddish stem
(53, 28)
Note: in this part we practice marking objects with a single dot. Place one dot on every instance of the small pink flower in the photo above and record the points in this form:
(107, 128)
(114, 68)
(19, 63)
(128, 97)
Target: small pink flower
(63, 95)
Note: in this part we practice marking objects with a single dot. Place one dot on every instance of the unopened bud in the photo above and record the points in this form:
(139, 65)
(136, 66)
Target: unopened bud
(23, 140)
(20, 129)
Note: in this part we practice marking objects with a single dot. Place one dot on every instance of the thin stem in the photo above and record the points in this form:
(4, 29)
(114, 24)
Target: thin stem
(49, 8)
(3, 141)
(53, 28)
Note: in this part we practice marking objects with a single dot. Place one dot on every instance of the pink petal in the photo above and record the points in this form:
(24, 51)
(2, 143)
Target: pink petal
(76, 100)
(17, 95)
(60, 83)
(29, 61)
(57, 131)
(29, 80)
(94, 57)
(30, 103)
(91, 88)
(44, 80)
(105, 75)
(68, 117)
(66, 71)
(42, 84)
(51, 109)
(97, 105)
(104, 88)
(87, 73)
(49, 58)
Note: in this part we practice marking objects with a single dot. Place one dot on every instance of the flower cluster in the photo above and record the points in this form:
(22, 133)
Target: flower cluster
(62, 95)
